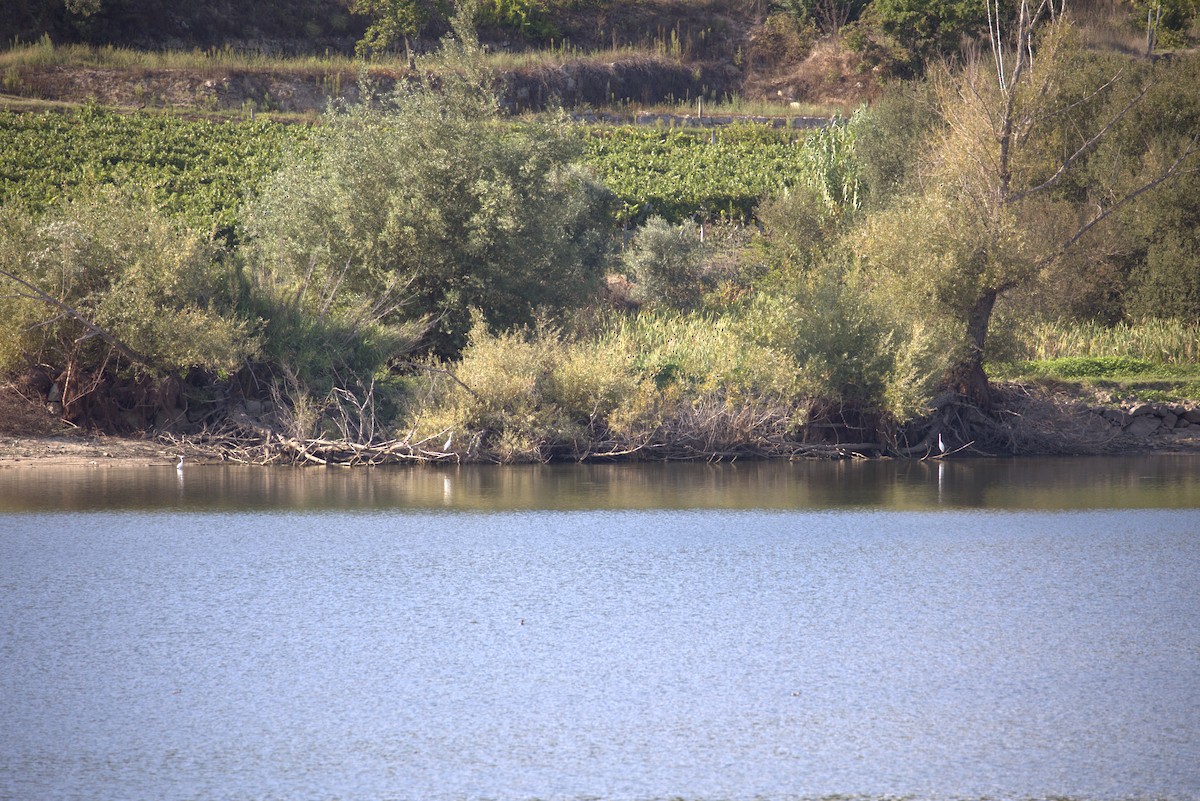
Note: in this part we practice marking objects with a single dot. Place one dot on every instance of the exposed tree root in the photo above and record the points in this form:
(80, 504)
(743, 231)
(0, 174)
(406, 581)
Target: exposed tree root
(1022, 421)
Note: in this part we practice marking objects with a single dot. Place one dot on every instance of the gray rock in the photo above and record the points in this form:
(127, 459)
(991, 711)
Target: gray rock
(1117, 417)
(1192, 416)
(1143, 425)
(1169, 420)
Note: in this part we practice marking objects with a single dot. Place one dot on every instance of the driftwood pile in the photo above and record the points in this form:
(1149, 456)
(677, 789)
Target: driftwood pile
(1023, 421)
(716, 434)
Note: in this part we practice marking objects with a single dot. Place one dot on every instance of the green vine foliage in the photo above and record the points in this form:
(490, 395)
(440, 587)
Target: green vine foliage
(200, 171)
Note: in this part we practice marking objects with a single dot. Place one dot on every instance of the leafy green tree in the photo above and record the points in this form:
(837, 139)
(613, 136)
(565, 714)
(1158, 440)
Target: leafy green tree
(83, 8)
(1165, 21)
(426, 208)
(1159, 235)
(393, 22)
(910, 33)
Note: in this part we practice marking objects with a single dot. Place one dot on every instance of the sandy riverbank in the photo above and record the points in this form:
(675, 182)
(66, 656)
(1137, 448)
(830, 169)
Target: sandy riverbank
(86, 449)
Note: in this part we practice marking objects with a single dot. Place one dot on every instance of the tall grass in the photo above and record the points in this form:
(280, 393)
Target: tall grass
(1108, 25)
(674, 384)
(734, 105)
(45, 53)
(561, 53)
(1159, 341)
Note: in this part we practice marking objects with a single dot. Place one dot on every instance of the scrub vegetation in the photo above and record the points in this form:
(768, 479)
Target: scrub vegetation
(421, 277)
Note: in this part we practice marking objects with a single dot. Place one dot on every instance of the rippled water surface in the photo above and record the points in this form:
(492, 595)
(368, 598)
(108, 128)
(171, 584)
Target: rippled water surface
(1004, 630)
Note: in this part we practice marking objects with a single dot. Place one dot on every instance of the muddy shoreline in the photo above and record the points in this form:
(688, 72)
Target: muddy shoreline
(104, 451)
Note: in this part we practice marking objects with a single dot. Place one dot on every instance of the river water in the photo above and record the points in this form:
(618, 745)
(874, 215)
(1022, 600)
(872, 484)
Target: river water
(999, 629)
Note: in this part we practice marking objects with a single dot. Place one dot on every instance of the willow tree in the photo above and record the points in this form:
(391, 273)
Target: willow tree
(1002, 194)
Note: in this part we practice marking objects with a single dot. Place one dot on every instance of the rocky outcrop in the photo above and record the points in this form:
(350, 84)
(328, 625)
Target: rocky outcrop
(1151, 421)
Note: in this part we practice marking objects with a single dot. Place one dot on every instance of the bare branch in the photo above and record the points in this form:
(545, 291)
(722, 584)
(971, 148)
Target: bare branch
(1053, 180)
(1072, 106)
(456, 379)
(333, 290)
(1146, 187)
(95, 329)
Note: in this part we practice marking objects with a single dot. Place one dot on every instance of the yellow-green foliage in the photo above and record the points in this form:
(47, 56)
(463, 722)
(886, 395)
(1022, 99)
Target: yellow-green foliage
(700, 355)
(523, 396)
(834, 340)
(852, 339)
(137, 275)
(1159, 341)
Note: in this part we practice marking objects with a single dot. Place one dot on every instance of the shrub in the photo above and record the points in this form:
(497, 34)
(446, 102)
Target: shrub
(889, 138)
(781, 40)
(430, 200)
(678, 384)
(800, 226)
(840, 345)
(665, 263)
(110, 283)
(522, 395)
